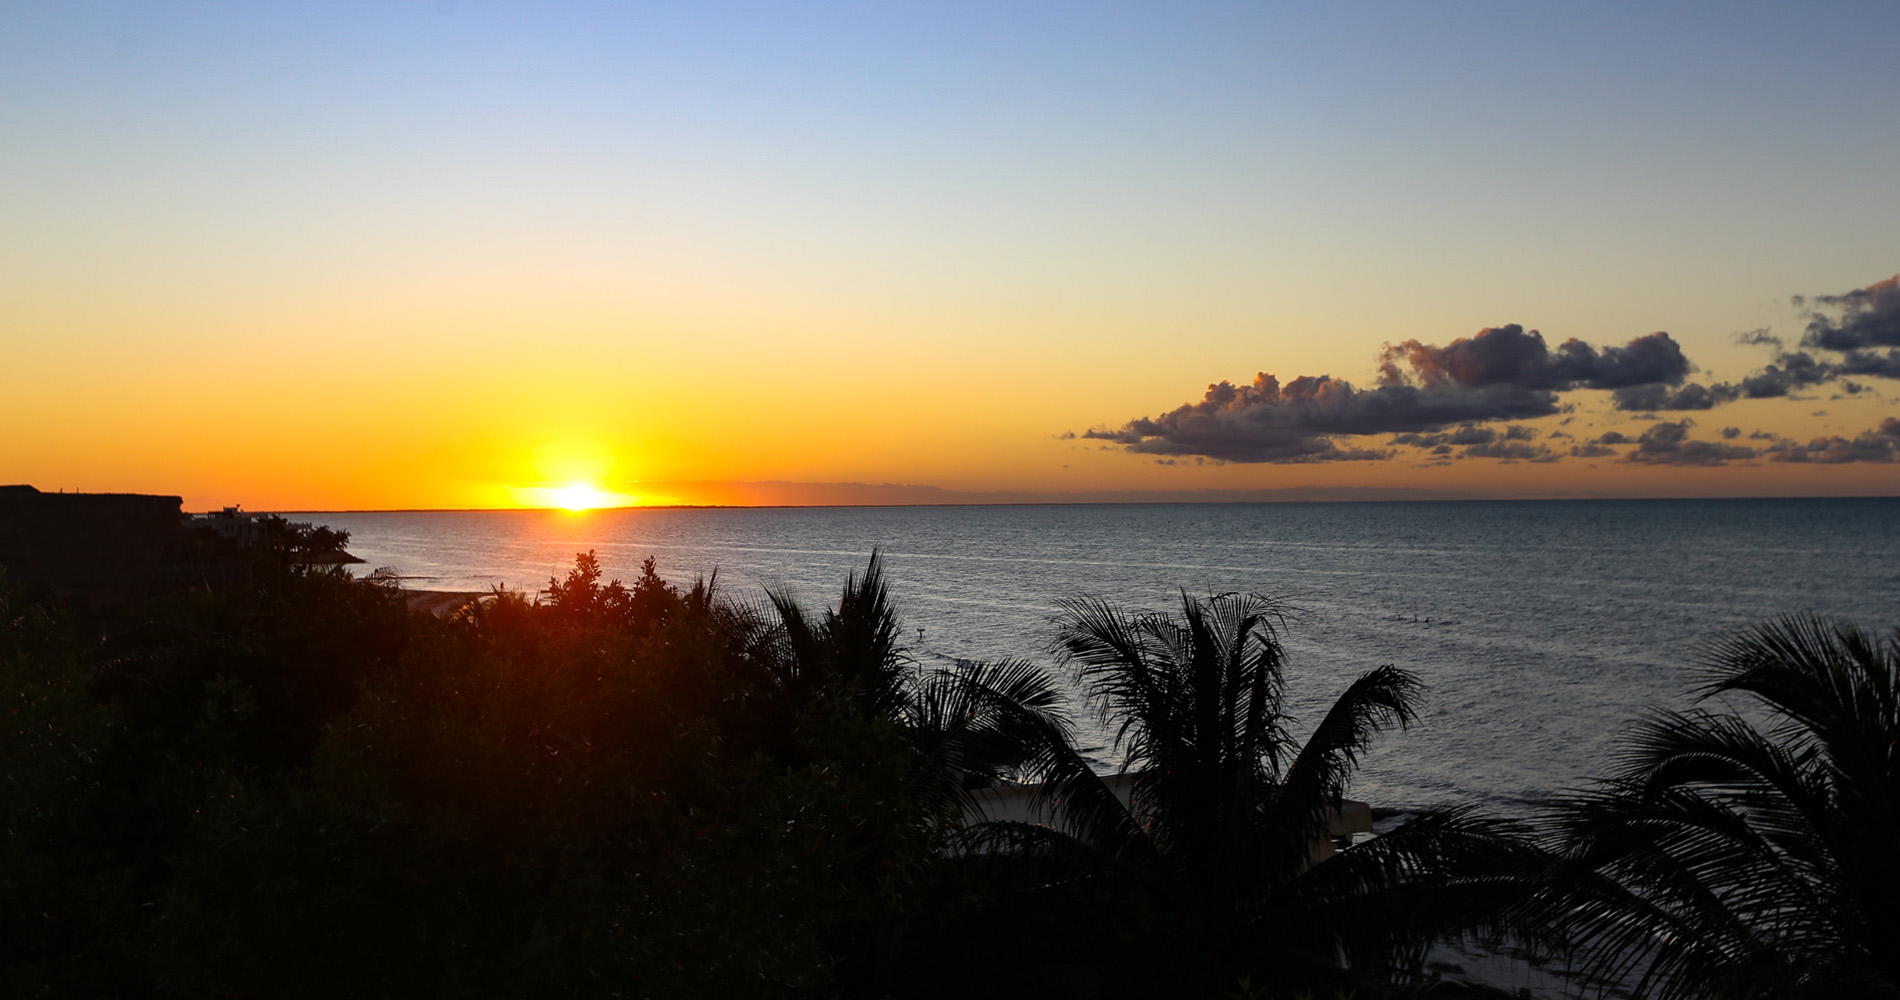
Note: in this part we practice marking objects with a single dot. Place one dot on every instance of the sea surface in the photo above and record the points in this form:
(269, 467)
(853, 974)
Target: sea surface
(1542, 628)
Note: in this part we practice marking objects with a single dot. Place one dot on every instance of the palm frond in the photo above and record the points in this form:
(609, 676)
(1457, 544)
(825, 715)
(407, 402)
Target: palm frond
(1721, 857)
(861, 637)
(1440, 874)
(1316, 781)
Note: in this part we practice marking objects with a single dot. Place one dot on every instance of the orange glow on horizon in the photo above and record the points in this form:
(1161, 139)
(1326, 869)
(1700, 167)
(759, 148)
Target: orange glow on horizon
(576, 497)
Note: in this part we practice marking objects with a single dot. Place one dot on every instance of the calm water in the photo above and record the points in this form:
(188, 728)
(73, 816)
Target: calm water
(1542, 628)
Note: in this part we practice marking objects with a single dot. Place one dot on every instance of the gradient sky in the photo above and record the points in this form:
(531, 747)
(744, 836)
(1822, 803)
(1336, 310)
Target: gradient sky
(348, 255)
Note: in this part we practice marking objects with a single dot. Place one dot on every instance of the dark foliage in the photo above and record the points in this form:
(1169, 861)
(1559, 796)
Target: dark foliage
(280, 783)
(1225, 831)
(286, 785)
(1749, 852)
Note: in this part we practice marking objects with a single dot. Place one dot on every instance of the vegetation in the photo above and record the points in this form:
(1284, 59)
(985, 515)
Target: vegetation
(1230, 814)
(285, 784)
(1749, 852)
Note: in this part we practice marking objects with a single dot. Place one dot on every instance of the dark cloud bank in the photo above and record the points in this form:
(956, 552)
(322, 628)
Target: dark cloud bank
(1877, 445)
(1439, 398)
(1503, 373)
(1853, 334)
(1668, 443)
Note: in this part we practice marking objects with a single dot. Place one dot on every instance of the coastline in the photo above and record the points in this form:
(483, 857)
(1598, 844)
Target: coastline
(439, 603)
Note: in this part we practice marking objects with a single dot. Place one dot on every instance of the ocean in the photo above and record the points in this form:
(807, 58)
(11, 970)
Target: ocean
(1542, 628)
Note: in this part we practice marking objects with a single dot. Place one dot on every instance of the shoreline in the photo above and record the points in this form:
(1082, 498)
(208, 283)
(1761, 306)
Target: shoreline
(439, 603)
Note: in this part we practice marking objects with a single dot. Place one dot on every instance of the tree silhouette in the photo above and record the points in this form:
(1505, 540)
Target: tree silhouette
(1229, 810)
(1750, 852)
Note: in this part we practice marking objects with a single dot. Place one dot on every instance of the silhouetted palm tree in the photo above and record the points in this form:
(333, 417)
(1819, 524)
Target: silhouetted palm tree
(1227, 806)
(963, 726)
(1753, 852)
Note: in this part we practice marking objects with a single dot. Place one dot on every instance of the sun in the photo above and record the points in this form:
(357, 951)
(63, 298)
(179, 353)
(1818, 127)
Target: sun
(579, 496)
(576, 496)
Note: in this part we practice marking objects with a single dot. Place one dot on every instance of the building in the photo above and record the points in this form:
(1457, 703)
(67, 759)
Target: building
(106, 549)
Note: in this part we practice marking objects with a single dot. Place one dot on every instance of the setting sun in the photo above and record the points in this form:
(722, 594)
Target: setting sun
(579, 496)
(573, 495)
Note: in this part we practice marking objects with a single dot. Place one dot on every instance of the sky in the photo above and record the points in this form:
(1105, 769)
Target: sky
(462, 253)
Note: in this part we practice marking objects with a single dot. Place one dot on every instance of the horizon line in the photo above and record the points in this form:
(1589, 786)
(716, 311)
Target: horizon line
(1073, 503)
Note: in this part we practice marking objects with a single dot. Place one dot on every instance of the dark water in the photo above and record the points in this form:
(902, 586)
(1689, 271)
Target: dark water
(1542, 628)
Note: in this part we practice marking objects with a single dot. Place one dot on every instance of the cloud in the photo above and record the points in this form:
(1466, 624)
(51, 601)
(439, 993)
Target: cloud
(1509, 444)
(1511, 355)
(1863, 318)
(1465, 434)
(1877, 445)
(1440, 398)
(1787, 374)
(1647, 375)
(1654, 396)
(1790, 371)
(1870, 363)
(1836, 450)
(1510, 451)
(1500, 373)
(1668, 443)
(1265, 422)
(1852, 325)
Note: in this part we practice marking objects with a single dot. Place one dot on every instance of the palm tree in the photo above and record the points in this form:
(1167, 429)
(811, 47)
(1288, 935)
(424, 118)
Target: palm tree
(1751, 852)
(1227, 805)
(958, 729)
